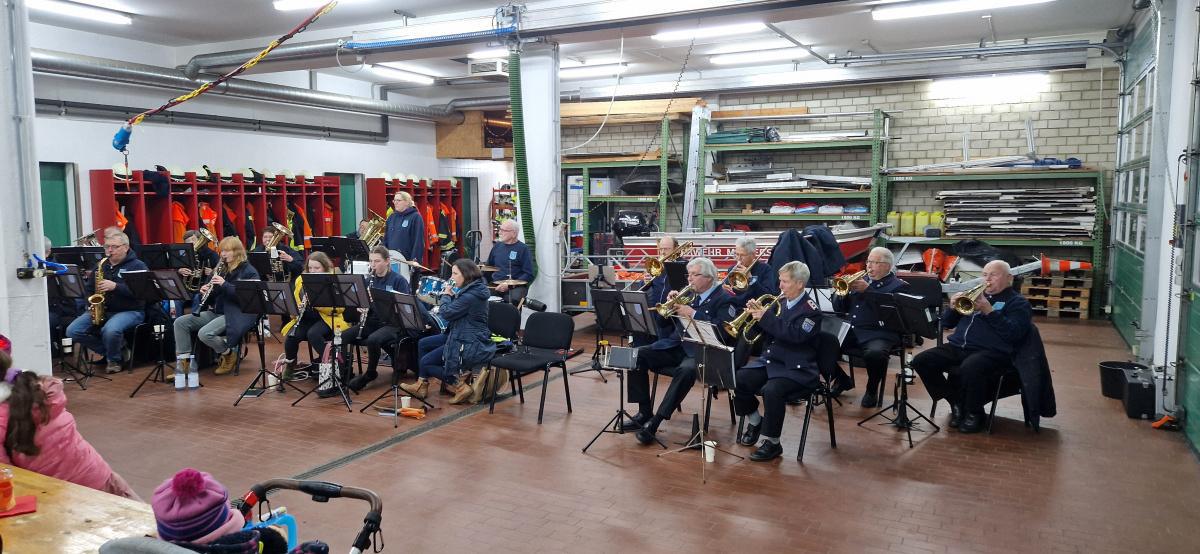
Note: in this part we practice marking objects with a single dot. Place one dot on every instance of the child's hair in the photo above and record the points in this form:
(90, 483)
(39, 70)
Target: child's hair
(26, 395)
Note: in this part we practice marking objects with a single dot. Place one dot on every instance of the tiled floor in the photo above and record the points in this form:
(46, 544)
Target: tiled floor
(1092, 481)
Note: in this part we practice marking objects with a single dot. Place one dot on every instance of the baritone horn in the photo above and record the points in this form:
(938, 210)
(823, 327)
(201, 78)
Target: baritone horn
(841, 285)
(655, 266)
(376, 228)
(965, 303)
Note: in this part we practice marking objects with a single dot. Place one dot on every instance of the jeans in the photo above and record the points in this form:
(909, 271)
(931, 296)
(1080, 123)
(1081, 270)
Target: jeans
(209, 328)
(432, 364)
(111, 337)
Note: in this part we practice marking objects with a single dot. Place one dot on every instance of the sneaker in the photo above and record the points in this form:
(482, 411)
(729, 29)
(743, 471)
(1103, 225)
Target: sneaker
(113, 367)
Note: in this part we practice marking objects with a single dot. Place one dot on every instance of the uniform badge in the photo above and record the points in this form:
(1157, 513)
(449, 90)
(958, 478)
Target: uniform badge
(732, 311)
(404, 224)
(512, 255)
(808, 325)
(998, 306)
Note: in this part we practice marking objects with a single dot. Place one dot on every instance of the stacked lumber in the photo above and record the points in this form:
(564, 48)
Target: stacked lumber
(1035, 213)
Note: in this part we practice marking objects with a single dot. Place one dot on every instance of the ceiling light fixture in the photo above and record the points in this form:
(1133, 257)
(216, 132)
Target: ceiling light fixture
(707, 32)
(747, 46)
(82, 11)
(606, 70)
(996, 89)
(758, 56)
(402, 75)
(489, 54)
(290, 5)
(924, 9)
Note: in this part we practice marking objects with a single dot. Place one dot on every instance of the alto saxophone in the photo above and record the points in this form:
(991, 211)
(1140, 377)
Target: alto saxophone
(96, 300)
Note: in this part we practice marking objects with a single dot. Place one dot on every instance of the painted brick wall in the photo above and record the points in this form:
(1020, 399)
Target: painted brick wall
(622, 138)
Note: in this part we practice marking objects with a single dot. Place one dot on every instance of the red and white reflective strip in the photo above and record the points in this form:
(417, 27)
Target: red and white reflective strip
(1052, 264)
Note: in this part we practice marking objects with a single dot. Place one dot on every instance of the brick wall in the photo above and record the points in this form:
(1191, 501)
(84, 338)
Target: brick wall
(622, 138)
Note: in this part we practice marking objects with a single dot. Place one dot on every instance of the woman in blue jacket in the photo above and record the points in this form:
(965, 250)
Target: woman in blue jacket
(405, 232)
(467, 342)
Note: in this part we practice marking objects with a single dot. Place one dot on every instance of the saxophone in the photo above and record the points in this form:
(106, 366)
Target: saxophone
(96, 300)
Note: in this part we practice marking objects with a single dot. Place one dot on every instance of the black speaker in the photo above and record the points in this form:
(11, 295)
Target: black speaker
(1139, 394)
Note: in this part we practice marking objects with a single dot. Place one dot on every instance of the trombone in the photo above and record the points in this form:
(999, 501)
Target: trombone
(965, 303)
(744, 322)
(841, 285)
(655, 266)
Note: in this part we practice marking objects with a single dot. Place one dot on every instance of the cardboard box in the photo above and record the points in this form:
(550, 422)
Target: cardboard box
(601, 186)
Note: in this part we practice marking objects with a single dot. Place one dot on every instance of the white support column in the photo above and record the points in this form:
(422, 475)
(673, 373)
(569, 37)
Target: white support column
(539, 101)
(23, 313)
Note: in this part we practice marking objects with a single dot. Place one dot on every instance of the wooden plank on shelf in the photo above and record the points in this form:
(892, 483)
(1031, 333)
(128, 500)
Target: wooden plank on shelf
(654, 107)
(651, 156)
(618, 119)
(759, 112)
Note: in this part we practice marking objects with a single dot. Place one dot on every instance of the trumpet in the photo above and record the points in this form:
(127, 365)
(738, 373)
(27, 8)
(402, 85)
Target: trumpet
(965, 303)
(744, 322)
(655, 266)
(738, 277)
(841, 285)
(667, 309)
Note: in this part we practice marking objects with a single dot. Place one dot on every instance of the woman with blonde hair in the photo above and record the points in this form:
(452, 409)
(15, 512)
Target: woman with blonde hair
(218, 321)
(316, 325)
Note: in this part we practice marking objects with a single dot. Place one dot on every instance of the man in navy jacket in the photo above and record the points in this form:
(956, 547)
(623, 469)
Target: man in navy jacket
(513, 260)
(866, 332)
(371, 330)
(762, 277)
(711, 303)
(405, 231)
(788, 366)
(981, 348)
(123, 311)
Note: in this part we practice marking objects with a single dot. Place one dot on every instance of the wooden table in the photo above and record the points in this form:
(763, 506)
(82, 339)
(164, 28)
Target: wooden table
(71, 518)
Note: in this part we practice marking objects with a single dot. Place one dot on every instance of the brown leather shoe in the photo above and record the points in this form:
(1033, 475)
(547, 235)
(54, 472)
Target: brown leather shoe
(420, 389)
(462, 393)
(228, 360)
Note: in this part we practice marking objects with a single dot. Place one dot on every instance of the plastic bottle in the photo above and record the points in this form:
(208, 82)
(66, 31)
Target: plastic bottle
(893, 219)
(907, 224)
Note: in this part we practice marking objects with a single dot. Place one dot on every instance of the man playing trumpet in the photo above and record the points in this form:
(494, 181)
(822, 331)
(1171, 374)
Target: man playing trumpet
(979, 350)
(761, 278)
(791, 327)
(866, 333)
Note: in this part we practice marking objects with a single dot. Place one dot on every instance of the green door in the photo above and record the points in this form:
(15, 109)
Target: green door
(349, 202)
(56, 209)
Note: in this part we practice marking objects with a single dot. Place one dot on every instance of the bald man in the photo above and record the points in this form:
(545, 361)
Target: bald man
(980, 349)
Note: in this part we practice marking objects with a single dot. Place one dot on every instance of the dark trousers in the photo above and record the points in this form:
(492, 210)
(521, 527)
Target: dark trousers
(311, 328)
(970, 374)
(376, 337)
(775, 393)
(665, 362)
(875, 354)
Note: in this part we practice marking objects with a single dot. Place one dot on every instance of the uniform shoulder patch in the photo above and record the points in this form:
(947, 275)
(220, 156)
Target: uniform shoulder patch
(732, 311)
(813, 304)
(808, 325)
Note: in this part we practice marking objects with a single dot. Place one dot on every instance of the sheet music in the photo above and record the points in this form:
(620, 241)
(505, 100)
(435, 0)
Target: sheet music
(701, 331)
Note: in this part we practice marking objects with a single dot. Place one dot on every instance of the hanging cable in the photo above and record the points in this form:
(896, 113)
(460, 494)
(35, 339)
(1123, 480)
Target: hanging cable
(611, 100)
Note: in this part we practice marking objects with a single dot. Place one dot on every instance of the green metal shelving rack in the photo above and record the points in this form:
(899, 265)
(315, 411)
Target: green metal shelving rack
(877, 143)
(660, 199)
(1096, 244)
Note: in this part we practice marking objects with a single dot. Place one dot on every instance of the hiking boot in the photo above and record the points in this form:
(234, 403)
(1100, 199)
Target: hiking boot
(420, 389)
(462, 393)
(228, 360)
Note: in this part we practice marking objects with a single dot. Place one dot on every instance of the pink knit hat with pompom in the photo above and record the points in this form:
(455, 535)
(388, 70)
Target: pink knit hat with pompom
(194, 507)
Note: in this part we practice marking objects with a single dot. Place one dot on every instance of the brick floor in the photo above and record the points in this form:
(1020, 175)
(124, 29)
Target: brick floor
(461, 479)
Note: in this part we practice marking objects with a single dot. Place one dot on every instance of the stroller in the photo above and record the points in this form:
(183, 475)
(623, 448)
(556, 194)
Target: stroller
(369, 536)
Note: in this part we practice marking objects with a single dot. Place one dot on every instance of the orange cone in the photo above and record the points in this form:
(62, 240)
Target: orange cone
(935, 260)
(1052, 264)
(951, 263)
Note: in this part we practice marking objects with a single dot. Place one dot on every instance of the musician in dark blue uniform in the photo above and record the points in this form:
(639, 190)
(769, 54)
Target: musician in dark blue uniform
(711, 303)
(656, 294)
(980, 348)
(291, 260)
(762, 279)
(866, 333)
(371, 330)
(513, 260)
(788, 365)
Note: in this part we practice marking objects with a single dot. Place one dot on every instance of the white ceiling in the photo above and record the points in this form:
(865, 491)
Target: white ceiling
(836, 29)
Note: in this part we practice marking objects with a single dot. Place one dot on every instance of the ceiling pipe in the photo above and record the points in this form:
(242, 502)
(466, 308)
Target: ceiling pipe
(978, 52)
(88, 67)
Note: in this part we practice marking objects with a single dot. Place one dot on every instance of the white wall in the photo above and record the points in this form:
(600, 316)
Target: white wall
(490, 175)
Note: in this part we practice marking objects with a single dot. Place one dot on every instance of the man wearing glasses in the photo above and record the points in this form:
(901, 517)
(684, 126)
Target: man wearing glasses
(866, 334)
(122, 310)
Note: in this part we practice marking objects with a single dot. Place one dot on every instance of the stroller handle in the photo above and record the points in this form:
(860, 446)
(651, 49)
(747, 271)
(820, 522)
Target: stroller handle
(322, 491)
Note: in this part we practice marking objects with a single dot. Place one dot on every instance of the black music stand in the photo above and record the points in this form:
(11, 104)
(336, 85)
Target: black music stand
(181, 255)
(341, 250)
(626, 312)
(261, 262)
(676, 275)
(155, 256)
(156, 286)
(715, 369)
(87, 257)
(400, 310)
(906, 315)
(609, 317)
(344, 292)
(69, 286)
(264, 298)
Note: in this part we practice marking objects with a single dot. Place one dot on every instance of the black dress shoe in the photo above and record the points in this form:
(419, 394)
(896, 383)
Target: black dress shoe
(359, 383)
(328, 393)
(750, 435)
(645, 436)
(634, 423)
(839, 386)
(869, 400)
(767, 451)
(972, 423)
(956, 416)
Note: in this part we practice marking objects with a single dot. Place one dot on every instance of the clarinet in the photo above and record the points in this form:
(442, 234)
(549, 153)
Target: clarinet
(300, 314)
(362, 325)
(204, 298)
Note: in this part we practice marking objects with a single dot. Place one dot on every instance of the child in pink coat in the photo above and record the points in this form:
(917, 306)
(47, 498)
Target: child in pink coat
(40, 434)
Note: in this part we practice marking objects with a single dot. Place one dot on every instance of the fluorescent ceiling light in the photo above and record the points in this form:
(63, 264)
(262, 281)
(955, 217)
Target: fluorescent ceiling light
(289, 5)
(489, 54)
(991, 88)
(587, 62)
(759, 56)
(606, 70)
(746, 46)
(81, 11)
(402, 75)
(947, 7)
(706, 32)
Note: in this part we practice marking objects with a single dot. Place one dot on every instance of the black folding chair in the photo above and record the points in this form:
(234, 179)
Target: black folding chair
(545, 343)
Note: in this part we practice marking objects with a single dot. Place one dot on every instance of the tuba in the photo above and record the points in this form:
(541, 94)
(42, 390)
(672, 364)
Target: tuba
(841, 285)
(376, 227)
(965, 304)
(667, 309)
(654, 266)
(281, 231)
(96, 300)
